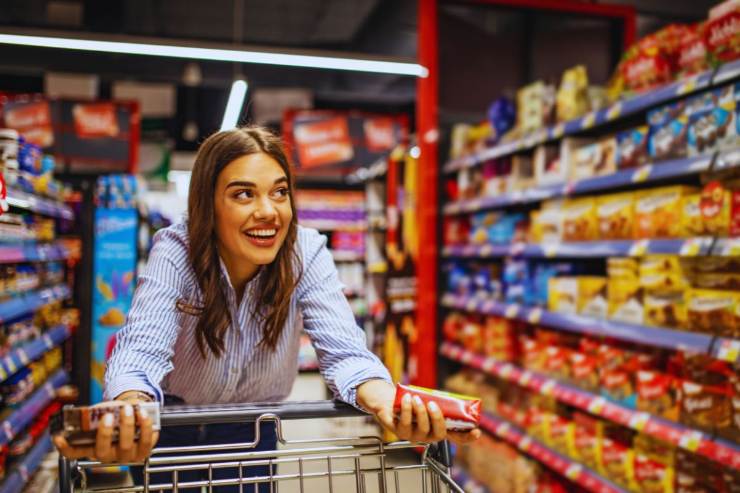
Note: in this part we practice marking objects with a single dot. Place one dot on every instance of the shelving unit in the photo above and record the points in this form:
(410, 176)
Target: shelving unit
(722, 348)
(467, 483)
(16, 480)
(569, 468)
(30, 302)
(34, 252)
(40, 205)
(676, 434)
(22, 356)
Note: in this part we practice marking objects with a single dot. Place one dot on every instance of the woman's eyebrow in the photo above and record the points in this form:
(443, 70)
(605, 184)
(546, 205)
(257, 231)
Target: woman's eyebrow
(247, 184)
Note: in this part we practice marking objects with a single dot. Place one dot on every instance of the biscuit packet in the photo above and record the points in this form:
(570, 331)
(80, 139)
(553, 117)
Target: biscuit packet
(461, 412)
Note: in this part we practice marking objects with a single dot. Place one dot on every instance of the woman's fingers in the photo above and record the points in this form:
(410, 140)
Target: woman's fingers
(104, 451)
(439, 427)
(147, 438)
(403, 428)
(126, 430)
(69, 451)
(421, 430)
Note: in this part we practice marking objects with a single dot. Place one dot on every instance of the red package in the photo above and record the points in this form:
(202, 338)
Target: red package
(722, 36)
(692, 56)
(461, 412)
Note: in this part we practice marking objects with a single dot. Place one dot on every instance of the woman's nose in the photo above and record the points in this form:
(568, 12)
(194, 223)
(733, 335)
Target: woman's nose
(265, 209)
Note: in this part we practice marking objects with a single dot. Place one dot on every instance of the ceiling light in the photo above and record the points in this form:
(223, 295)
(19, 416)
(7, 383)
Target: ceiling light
(234, 105)
(218, 54)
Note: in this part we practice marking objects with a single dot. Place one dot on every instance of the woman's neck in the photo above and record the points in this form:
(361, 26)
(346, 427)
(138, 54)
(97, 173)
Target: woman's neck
(240, 272)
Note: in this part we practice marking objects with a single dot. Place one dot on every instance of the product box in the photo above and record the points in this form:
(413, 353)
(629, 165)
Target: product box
(652, 476)
(656, 394)
(665, 309)
(585, 371)
(580, 219)
(562, 295)
(522, 173)
(693, 57)
(592, 296)
(531, 107)
(625, 301)
(586, 440)
(632, 147)
(568, 148)
(706, 407)
(658, 212)
(669, 141)
(712, 311)
(711, 121)
(616, 460)
(722, 34)
(616, 216)
(549, 168)
(716, 209)
(595, 159)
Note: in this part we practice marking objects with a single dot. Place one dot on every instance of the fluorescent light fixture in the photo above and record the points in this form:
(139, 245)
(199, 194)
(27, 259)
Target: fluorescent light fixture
(234, 105)
(415, 152)
(218, 54)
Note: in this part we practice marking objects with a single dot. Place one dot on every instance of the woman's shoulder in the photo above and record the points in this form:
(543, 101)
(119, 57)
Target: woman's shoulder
(172, 242)
(309, 243)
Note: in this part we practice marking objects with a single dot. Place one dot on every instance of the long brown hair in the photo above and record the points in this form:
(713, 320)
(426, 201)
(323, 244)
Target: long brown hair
(277, 280)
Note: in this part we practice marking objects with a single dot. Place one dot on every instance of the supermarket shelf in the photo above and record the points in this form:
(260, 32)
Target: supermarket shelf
(651, 336)
(347, 256)
(466, 482)
(16, 481)
(687, 247)
(33, 252)
(674, 433)
(29, 409)
(645, 174)
(30, 351)
(30, 302)
(331, 225)
(40, 205)
(594, 119)
(574, 471)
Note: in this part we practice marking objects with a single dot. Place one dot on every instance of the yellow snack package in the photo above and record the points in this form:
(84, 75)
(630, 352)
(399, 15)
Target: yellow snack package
(712, 311)
(691, 220)
(615, 214)
(658, 212)
(665, 309)
(562, 294)
(579, 220)
(625, 301)
(592, 300)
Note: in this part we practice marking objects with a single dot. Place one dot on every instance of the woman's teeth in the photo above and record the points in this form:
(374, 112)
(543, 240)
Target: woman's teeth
(262, 233)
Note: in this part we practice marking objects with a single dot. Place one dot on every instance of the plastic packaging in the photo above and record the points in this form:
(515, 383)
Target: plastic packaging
(461, 412)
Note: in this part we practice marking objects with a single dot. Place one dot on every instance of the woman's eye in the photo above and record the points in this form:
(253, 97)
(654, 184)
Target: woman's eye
(244, 194)
(282, 192)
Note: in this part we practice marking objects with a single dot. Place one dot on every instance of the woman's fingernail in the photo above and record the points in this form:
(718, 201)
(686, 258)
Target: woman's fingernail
(407, 399)
(417, 400)
(108, 419)
(128, 411)
(433, 407)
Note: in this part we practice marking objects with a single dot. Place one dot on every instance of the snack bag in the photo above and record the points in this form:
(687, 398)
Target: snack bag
(722, 33)
(461, 412)
(693, 57)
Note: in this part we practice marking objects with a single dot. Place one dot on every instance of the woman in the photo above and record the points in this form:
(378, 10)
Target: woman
(217, 314)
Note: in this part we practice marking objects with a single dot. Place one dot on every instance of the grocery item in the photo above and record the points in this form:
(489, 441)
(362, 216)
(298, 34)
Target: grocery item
(615, 214)
(592, 298)
(632, 147)
(656, 394)
(658, 211)
(563, 295)
(711, 123)
(79, 424)
(580, 220)
(461, 412)
(665, 309)
(572, 96)
(722, 33)
(598, 158)
(712, 311)
(549, 168)
(693, 57)
(534, 106)
(706, 407)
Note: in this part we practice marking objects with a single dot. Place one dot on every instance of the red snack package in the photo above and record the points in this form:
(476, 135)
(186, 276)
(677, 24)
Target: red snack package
(461, 412)
(722, 33)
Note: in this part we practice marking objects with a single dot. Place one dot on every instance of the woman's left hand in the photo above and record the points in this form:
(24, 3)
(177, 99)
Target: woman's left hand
(417, 422)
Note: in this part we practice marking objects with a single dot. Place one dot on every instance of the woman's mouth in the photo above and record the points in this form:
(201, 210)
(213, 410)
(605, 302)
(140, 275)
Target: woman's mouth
(262, 237)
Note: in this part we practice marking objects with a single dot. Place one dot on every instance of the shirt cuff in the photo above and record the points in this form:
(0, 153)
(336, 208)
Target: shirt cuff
(348, 378)
(137, 381)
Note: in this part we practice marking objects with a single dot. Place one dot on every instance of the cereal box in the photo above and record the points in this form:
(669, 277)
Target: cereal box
(580, 220)
(658, 212)
(616, 216)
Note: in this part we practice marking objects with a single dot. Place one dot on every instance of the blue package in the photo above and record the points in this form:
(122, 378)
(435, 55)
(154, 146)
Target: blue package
(502, 232)
(669, 141)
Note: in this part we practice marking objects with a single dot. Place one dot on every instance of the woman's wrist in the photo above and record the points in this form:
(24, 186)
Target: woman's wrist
(134, 396)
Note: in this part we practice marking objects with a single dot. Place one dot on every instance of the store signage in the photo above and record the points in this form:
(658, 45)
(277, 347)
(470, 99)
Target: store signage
(323, 142)
(379, 134)
(32, 119)
(95, 120)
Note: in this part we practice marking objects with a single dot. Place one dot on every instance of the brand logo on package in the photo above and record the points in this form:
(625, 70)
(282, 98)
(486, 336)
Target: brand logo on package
(95, 120)
(114, 224)
(32, 120)
(379, 134)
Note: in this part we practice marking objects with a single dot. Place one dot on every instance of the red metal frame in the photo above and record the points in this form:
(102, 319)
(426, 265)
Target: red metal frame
(424, 350)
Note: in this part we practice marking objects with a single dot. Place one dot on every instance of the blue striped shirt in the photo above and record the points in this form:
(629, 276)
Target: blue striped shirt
(156, 350)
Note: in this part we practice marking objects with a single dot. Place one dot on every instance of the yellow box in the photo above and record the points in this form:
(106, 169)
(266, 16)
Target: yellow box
(712, 311)
(707, 213)
(562, 294)
(547, 223)
(658, 212)
(625, 301)
(660, 264)
(665, 309)
(616, 215)
(579, 220)
(592, 300)
(692, 223)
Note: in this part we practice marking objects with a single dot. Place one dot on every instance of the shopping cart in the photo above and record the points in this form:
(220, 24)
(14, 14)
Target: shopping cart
(335, 465)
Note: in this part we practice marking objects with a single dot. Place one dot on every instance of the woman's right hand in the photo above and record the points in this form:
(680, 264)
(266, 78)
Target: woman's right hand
(126, 450)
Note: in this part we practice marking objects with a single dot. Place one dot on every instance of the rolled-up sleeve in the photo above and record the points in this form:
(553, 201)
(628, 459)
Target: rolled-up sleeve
(344, 359)
(145, 345)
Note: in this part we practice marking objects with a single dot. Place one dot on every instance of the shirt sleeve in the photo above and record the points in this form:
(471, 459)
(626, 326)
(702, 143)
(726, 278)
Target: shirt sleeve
(344, 359)
(145, 345)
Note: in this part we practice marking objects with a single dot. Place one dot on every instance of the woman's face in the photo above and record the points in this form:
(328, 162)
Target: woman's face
(253, 213)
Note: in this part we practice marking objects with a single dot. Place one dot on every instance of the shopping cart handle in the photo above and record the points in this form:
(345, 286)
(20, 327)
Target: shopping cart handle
(231, 413)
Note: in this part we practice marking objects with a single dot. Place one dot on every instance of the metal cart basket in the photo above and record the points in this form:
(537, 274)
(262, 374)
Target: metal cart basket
(335, 465)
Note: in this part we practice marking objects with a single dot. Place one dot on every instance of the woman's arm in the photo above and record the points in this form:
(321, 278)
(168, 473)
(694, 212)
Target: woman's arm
(144, 346)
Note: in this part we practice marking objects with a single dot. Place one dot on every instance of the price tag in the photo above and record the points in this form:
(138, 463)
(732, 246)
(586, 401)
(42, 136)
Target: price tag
(569, 188)
(3, 373)
(471, 305)
(638, 421)
(614, 111)
(687, 86)
(525, 378)
(730, 247)
(11, 365)
(503, 429)
(474, 204)
(691, 247)
(729, 350)
(596, 405)
(588, 121)
(23, 357)
(50, 391)
(486, 250)
(8, 429)
(574, 471)
(517, 249)
(535, 316)
(639, 248)
(691, 440)
(548, 388)
(525, 443)
(23, 471)
(550, 249)
(642, 173)
(505, 371)
(558, 131)
(467, 357)
(489, 364)
(511, 311)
